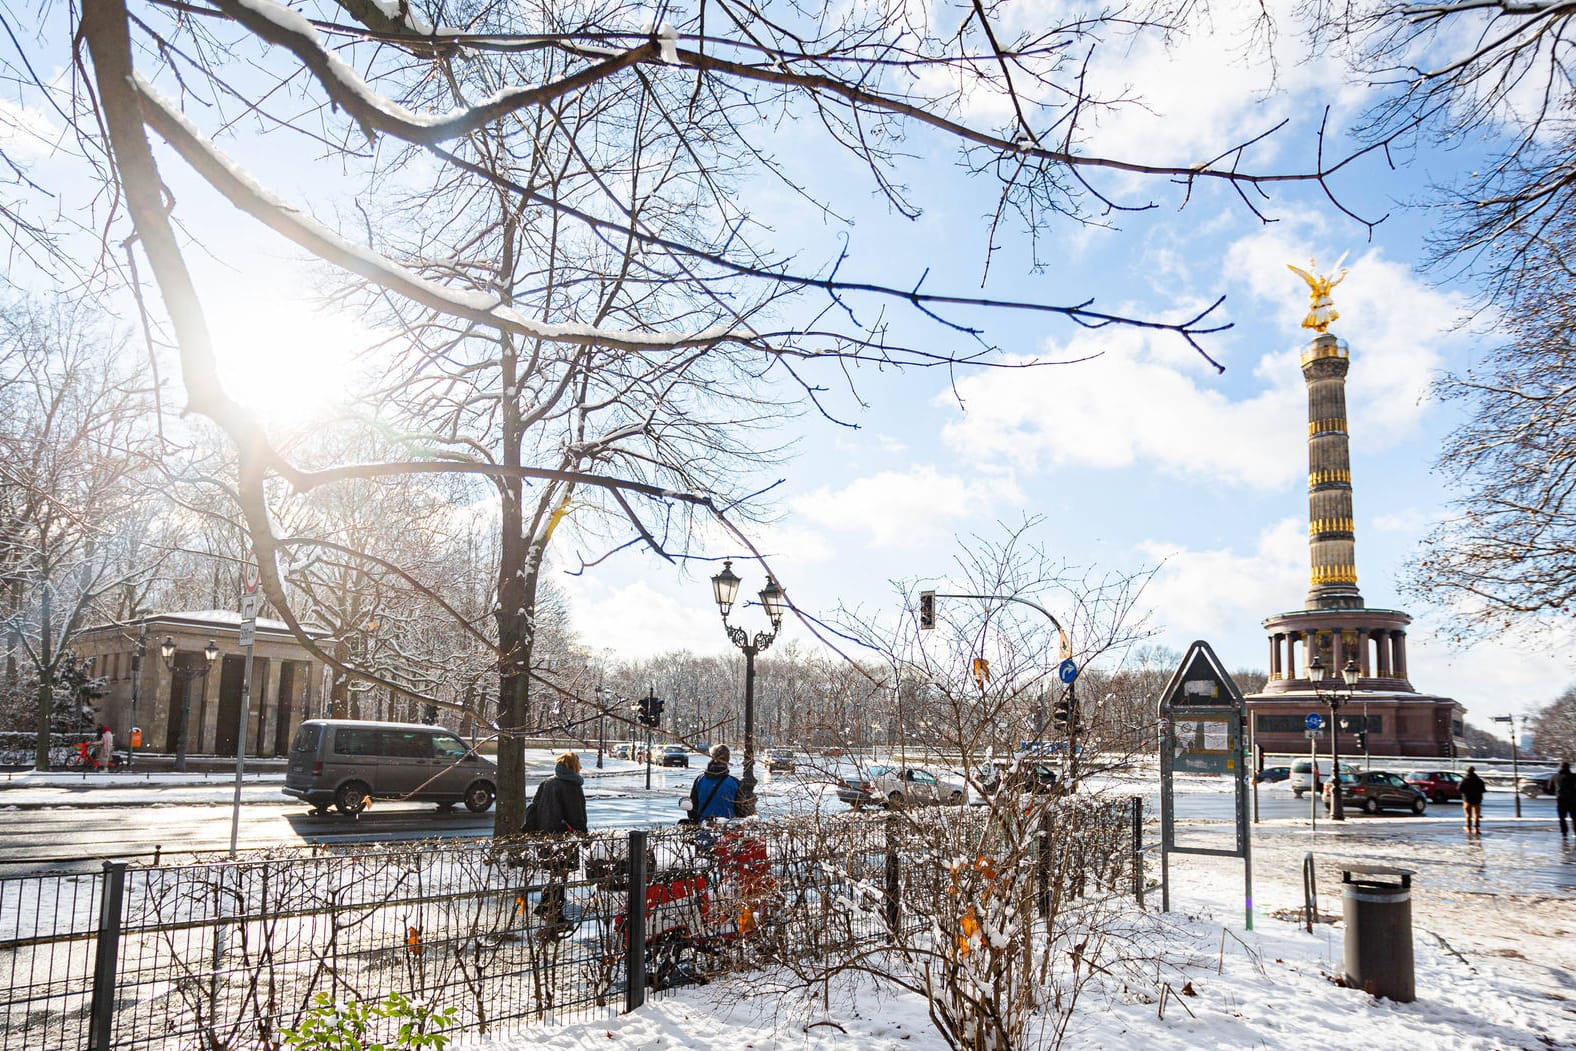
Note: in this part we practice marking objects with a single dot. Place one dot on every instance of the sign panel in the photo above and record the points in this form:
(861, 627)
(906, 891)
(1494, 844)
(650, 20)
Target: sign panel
(249, 604)
(1201, 718)
(1068, 671)
(1313, 720)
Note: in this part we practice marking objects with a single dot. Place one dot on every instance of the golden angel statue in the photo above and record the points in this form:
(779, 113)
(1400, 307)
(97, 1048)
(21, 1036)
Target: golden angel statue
(1321, 308)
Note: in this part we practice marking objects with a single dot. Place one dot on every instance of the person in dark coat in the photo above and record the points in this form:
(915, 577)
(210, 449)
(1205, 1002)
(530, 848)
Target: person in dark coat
(1472, 789)
(715, 793)
(558, 810)
(1565, 795)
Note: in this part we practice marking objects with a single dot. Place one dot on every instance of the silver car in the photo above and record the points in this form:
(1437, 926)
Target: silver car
(348, 763)
(900, 786)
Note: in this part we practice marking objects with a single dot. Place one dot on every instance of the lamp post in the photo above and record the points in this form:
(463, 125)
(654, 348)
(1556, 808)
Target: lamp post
(185, 676)
(725, 588)
(1515, 758)
(1317, 672)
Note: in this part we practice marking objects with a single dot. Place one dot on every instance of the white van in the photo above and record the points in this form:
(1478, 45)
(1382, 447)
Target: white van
(1302, 778)
(349, 762)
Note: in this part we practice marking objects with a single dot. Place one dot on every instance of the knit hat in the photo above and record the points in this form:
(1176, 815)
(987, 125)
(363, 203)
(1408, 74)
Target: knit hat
(720, 753)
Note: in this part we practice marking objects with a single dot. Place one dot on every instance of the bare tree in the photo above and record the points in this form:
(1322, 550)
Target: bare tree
(1554, 727)
(75, 462)
(589, 318)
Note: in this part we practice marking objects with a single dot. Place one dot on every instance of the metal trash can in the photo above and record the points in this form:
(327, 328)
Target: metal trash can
(1378, 913)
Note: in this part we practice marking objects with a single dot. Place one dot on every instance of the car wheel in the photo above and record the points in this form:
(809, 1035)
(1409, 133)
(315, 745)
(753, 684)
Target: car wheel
(445, 808)
(479, 796)
(1419, 805)
(351, 797)
(895, 801)
(1438, 797)
(955, 799)
(1297, 792)
(1370, 806)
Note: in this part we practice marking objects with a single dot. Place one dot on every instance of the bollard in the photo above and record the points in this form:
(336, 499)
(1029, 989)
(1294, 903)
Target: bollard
(1378, 916)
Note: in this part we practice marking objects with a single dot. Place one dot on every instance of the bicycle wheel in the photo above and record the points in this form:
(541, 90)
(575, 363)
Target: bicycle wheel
(671, 960)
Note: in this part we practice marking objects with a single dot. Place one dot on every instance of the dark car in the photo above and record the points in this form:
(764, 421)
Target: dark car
(1271, 774)
(1439, 786)
(675, 755)
(779, 761)
(1376, 790)
(1034, 778)
(1537, 783)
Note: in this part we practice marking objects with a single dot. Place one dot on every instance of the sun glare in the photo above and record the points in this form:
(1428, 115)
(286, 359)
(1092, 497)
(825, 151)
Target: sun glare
(285, 361)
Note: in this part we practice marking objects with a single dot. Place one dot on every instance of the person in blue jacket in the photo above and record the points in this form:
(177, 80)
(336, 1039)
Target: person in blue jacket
(715, 793)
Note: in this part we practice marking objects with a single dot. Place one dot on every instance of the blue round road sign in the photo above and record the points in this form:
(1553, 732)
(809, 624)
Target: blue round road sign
(1067, 670)
(1313, 721)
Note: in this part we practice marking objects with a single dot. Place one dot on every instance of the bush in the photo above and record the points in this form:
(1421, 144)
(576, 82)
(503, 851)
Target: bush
(331, 1026)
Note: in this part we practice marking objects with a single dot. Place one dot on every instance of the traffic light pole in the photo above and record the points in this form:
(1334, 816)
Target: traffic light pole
(927, 619)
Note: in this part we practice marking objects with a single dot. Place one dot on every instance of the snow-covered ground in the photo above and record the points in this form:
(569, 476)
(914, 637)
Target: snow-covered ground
(1495, 970)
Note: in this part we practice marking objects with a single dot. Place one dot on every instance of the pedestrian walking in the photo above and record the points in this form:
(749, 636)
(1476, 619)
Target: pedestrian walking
(558, 812)
(715, 792)
(106, 747)
(1472, 789)
(1565, 796)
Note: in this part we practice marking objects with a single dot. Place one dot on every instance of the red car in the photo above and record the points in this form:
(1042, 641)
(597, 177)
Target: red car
(1438, 785)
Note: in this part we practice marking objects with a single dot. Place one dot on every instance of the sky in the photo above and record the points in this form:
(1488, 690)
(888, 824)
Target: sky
(1138, 456)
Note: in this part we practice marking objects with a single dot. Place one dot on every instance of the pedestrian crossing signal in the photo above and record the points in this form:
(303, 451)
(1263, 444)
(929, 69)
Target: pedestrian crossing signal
(927, 610)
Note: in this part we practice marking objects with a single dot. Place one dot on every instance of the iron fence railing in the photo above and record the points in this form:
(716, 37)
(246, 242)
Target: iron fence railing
(225, 953)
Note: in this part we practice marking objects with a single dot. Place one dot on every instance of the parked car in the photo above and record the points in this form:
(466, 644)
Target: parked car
(1440, 786)
(779, 761)
(1272, 774)
(348, 763)
(899, 786)
(623, 750)
(1376, 790)
(857, 793)
(1537, 783)
(1304, 779)
(1030, 777)
(675, 755)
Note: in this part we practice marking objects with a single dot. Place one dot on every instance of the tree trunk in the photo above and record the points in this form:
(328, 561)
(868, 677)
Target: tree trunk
(46, 698)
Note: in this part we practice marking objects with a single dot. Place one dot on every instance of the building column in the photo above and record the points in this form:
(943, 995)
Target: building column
(1274, 656)
(1400, 654)
(1337, 652)
(1382, 640)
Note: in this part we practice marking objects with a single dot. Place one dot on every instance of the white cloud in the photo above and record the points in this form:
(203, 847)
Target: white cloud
(1146, 398)
(26, 133)
(641, 619)
(1208, 594)
(1399, 328)
(905, 509)
(1140, 400)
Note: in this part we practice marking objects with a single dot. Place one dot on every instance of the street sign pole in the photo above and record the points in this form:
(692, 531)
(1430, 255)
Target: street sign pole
(248, 638)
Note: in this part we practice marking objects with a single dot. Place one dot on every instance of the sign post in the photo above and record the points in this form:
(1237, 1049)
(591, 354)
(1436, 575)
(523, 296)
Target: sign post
(1201, 718)
(248, 638)
(1312, 722)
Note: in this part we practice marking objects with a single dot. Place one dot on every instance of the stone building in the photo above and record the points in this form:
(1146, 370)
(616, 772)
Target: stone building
(1382, 711)
(287, 682)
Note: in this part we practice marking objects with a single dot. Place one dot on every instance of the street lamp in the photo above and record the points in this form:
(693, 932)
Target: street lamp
(186, 675)
(725, 588)
(1515, 757)
(1317, 672)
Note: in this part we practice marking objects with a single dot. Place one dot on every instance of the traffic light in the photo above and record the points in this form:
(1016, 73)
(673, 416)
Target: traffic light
(927, 610)
(650, 710)
(1362, 739)
(1062, 718)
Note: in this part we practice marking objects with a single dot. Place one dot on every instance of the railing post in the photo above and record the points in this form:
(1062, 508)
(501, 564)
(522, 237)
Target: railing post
(894, 876)
(635, 924)
(101, 1013)
(1138, 849)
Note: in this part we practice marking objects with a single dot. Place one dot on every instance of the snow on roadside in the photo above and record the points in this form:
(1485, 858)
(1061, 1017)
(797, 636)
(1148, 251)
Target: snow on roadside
(1494, 971)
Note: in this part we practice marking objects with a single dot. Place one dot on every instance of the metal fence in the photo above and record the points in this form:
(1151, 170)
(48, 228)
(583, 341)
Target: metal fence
(224, 954)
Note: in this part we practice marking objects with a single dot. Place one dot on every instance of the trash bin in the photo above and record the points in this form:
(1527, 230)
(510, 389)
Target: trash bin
(1377, 905)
